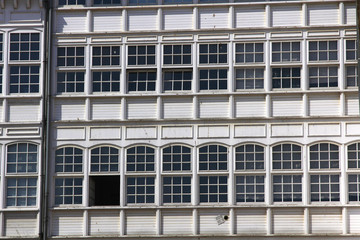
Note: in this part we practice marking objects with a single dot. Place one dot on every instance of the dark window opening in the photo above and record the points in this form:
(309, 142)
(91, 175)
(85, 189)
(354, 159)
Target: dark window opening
(104, 190)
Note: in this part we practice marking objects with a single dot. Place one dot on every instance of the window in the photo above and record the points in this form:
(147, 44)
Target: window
(108, 81)
(250, 188)
(22, 158)
(106, 55)
(249, 52)
(141, 81)
(213, 79)
(71, 2)
(107, 2)
(249, 157)
(354, 187)
(1, 78)
(287, 188)
(324, 156)
(213, 53)
(68, 191)
(176, 158)
(24, 79)
(213, 189)
(70, 56)
(177, 54)
(213, 158)
(105, 159)
(351, 50)
(213, 1)
(1, 47)
(286, 77)
(140, 190)
(351, 76)
(142, 2)
(104, 190)
(353, 155)
(141, 55)
(178, 1)
(21, 192)
(286, 51)
(140, 159)
(68, 82)
(325, 188)
(250, 78)
(323, 77)
(177, 189)
(286, 156)
(178, 80)
(323, 50)
(68, 159)
(25, 46)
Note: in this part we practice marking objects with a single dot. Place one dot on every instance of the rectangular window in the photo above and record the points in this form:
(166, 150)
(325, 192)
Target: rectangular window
(105, 159)
(22, 158)
(286, 156)
(141, 81)
(287, 188)
(71, 2)
(177, 80)
(70, 57)
(323, 77)
(25, 46)
(351, 76)
(68, 159)
(213, 189)
(24, 79)
(286, 77)
(213, 1)
(325, 188)
(213, 79)
(250, 188)
(1, 47)
(107, 2)
(68, 191)
(286, 51)
(177, 189)
(323, 51)
(21, 192)
(250, 157)
(104, 190)
(177, 54)
(1, 78)
(106, 56)
(176, 158)
(354, 187)
(249, 52)
(250, 78)
(141, 2)
(213, 158)
(108, 81)
(351, 50)
(140, 159)
(70, 82)
(213, 53)
(141, 55)
(140, 190)
(178, 1)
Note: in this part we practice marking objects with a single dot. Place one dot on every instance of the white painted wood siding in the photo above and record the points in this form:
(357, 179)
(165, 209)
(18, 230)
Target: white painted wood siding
(142, 20)
(178, 107)
(324, 105)
(323, 14)
(214, 107)
(288, 221)
(107, 21)
(142, 108)
(286, 15)
(287, 105)
(71, 22)
(250, 16)
(140, 223)
(214, 18)
(68, 223)
(104, 223)
(70, 110)
(208, 223)
(178, 18)
(250, 106)
(350, 14)
(326, 221)
(352, 104)
(177, 222)
(23, 111)
(106, 109)
(353, 219)
(250, 221)
(21, 224)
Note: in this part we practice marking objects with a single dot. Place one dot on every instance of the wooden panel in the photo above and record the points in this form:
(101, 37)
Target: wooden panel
(177, 222)
(288, 221)
(253, 16)
(70, 110)
(214, 107)
(250, 221)
(350, 14)
(287, 105)
(142, 20)
(353, 219)
(71, 21)
(178, 107)
(21, 224)
(67, 223)
(323, 14)
(324, 105)
(250, 106)
(178, 18)
(105, 109)
(213, 18)
(286, 15)
(140, 222)
(326, 220)
(104, 222)
(107, 21)
(208, 223)
(23, 111)
(352, 104)
(141, 108)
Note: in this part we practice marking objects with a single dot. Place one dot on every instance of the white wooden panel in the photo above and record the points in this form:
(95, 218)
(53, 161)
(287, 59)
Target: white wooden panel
(323, 14)
(250, 221)
(177, 222)
(140, 223)
(177, 132)
(287, 130)
(178, 18)
(21, 224)
(70, 133)
(353, 219)
(71, 21)
(208, 223)
(104, 223)
(105, 109)
(23, 111)
(1, 111)
(22, 131)
(70, 110)
(213, 131)
(141, 132)
(142, 20)
(178, 107)
(288, 221)
(250, 106)
(25, 16)
(326, 220)
(286, 15)
(350, 14)
(105, 133)
(253, 16)
(324, 129)
(353, 129)
(107, 21)
(352, 105)
(324, 105)
(287, 105)
(213, 18)
(214, 107)
(67, 223)
(141, 108)
(250, 131)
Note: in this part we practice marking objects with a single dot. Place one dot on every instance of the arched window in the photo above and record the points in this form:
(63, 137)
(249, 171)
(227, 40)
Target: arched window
(22, 158)
(68, 159)
(353, 155)
(140, 159)
(249, 157)
(324, 156)
(213, 158)
(286, 156)
(105, 159)
(176, 158)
